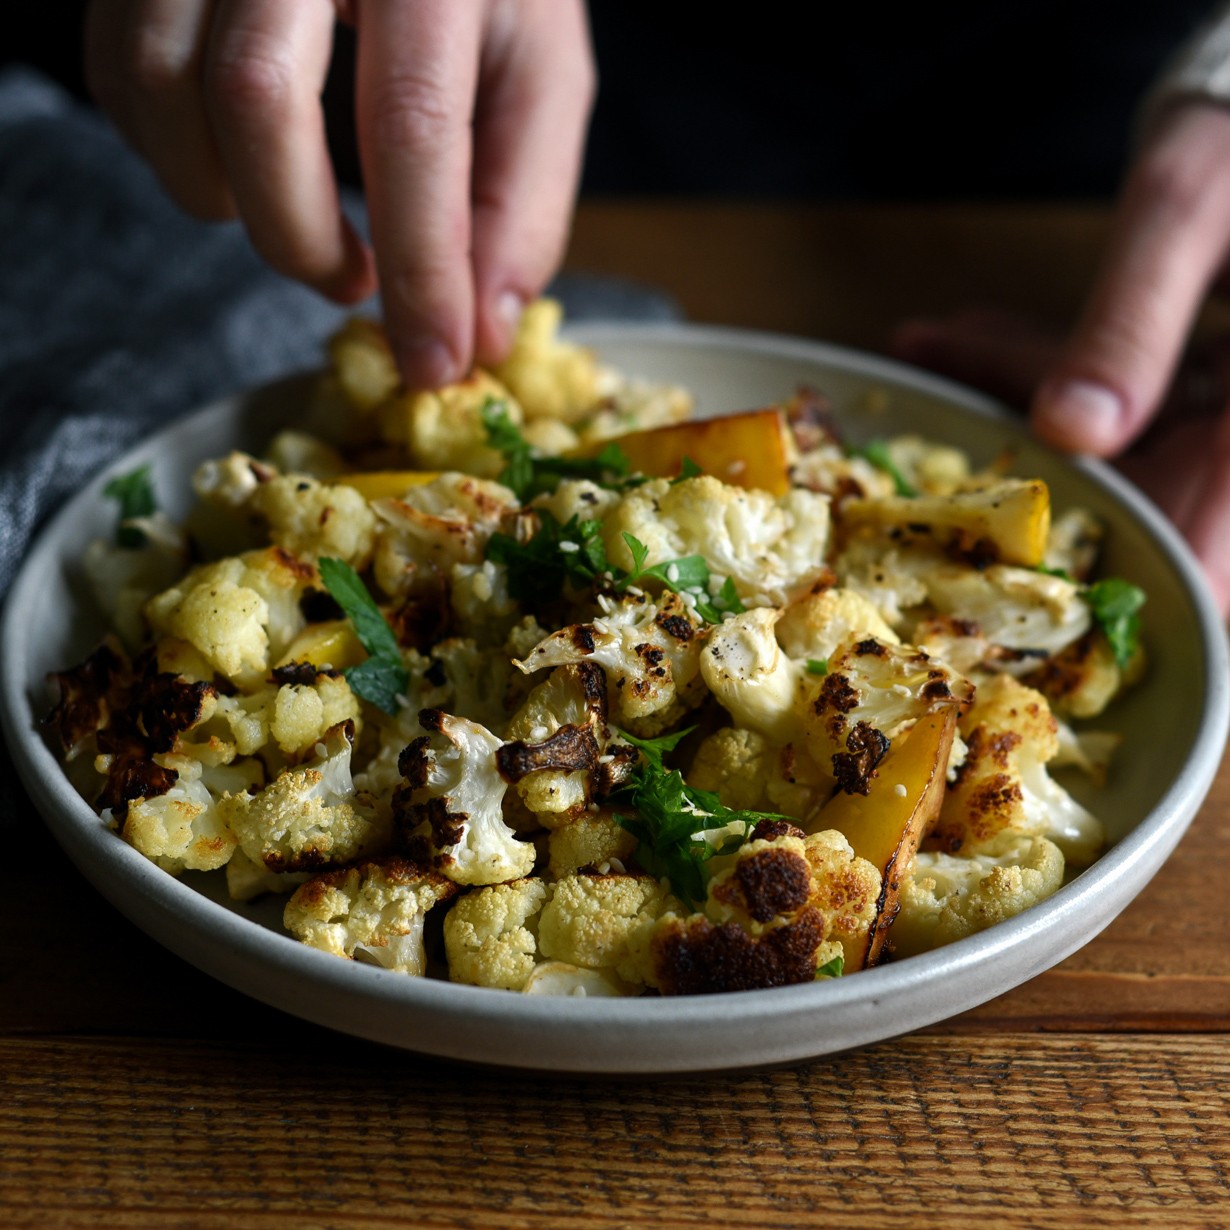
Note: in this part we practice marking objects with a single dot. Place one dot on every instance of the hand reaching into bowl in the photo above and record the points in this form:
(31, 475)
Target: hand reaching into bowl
(470, 120)
(1126, 384)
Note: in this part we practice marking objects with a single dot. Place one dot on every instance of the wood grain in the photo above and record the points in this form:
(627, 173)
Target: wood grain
(1021, 1131)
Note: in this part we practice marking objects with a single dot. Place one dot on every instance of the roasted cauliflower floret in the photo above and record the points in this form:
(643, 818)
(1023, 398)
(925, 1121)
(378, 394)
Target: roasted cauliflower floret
(124, 578)
(771, 547)
(239, 613)
(182, 829)
(310, 815)
(490, 934)
(550, 378)
(871, 693)
(303, 712)
(592, 841)
(435, 526)
(605, 922)
(787, 906)
(649, 649)
(373, 911)
(554, 742)
(947, 896)
(1029, 614)
(313, 519)
(1003, 785)
(452, 802)
(443, 429)
(751, 675)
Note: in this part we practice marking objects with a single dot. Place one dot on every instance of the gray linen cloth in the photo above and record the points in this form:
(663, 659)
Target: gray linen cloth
(118, 313)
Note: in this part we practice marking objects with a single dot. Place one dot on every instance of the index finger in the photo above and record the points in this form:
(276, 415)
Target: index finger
(416, 77)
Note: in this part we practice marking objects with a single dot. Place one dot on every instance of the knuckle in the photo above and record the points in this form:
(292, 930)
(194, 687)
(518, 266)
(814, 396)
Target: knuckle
(250, 74)
(157, 63)
(412, 114)
(1179, 184)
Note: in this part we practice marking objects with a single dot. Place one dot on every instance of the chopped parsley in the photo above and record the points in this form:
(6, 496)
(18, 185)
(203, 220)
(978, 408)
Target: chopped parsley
(572, 552)
(687, 469)
(876, 452)
(817, 666)
(1115, 604)
(833, 968)
(134, 492)
(559, 553)
(529, 473)
(671, 820)
(382, 677)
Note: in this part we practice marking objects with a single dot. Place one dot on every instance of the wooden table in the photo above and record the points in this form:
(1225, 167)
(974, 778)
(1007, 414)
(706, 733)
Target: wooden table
(135, 1092)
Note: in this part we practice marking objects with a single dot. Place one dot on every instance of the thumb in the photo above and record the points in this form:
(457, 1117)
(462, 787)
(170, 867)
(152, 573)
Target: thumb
(1168, 240)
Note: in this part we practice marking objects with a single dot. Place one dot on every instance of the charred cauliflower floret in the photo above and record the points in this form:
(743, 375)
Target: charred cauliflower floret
(491, 934)
(374, 911)
(554, 742)
(433, 527)
(1027, 615)
(605, 922)
(787, 906)
(452, 802)
(1003, 785)
(771, 546)
(648, 647)
(310, 815)
(872, 692)
(182, 829)
(949, 896)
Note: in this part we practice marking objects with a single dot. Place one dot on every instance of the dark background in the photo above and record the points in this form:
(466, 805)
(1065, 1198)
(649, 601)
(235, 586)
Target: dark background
(896, 101)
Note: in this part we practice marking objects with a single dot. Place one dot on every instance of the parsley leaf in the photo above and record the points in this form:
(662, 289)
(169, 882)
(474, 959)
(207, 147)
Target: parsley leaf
(833, 968)
(687, 469)
(529, 473)
(876, 452)
(689, 574)
(1115, 604)
(675, 823)
(817, 666)
(383, 676)
(559, 552)
(134, 493)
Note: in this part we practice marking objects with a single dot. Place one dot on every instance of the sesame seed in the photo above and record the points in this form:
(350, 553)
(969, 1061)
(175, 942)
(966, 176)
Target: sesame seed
(900, 791)
(569, 546)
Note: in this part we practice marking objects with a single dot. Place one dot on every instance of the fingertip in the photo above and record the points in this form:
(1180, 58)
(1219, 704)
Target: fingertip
(426, 362)
(1080, 416)
(499, 319)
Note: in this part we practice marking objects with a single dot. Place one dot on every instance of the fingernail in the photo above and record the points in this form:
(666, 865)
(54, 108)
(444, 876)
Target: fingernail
(1080, 414)
(426, 363)
(509, 307)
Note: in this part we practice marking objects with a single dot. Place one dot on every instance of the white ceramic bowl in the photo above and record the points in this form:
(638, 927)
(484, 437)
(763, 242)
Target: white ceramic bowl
(1174, 728)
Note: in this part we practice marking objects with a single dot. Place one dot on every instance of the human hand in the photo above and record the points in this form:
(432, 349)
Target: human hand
(1125, 366)
(470, 119)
